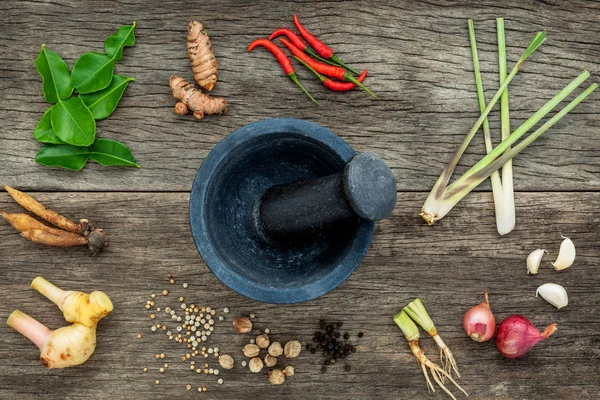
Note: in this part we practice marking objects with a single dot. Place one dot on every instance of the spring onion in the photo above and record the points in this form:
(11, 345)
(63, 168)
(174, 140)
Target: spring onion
(444, 197)
(411, 333)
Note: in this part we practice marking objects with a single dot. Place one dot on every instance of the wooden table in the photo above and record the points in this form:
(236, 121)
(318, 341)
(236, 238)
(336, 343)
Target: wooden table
(420, 67)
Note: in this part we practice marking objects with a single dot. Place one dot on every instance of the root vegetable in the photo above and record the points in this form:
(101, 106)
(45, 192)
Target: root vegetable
(86, 309)
(479, 322)
(30, 204)
(24, 222)
(191, 99)
(69, 234)
(70, 345)
(517, 335)
(201, 55)
(65, 347)
(62, 239)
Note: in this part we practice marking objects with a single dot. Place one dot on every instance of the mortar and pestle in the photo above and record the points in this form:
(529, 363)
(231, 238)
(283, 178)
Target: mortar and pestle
(283, 210)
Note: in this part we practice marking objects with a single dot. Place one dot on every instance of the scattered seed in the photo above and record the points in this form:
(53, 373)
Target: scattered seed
(267, 330)
(145, 370)
(188, 387)
(153, 328)
(161, 370)
(153, 295)
(165, 292)
(139, 336)
(220, 381)
(226, 310)
(172, 281)
(156, 382)
(185, 285)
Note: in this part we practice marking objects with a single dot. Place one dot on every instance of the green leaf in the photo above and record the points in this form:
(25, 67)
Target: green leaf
(55, 75)
(113, 46)
(63, 155)
(536, 42)
(110, 152)
(73, 122)
(92, 72)
(43, 131)
(104, 102)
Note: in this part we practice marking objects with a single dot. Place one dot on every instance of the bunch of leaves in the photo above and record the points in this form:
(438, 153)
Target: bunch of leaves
(68, 127)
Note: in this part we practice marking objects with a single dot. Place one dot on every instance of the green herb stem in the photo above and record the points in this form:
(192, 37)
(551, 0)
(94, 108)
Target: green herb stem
(416, 310)
(408, 327)
(444, 178)
(455, 194)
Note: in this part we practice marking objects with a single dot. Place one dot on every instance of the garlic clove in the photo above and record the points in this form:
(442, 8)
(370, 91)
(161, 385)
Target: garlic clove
(553, 294)
(566, 255)
(533, 261)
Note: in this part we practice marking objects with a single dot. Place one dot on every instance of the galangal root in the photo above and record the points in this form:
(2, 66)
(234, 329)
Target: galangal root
(70, 345)
(191, 99)
(70, 233)
(201, 55)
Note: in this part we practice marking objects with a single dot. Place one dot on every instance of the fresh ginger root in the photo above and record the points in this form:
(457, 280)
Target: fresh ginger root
(191, 99)
(70, 345)
(83, 308)
(202, 58)
(69, 234)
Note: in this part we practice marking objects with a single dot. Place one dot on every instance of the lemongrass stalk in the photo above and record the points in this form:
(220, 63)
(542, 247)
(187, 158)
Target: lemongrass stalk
(428, 213)
(466, 186)
(500, 208)
(505, 223)
(416, 310)
(408, 327)
(527, 125)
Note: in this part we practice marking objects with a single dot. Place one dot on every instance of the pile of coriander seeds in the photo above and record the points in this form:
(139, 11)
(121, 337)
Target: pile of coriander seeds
(189, 324)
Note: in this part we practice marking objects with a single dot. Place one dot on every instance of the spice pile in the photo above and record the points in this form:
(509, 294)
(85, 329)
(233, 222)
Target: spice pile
(273, 350)
(193, 327)
(334, 346)
(324, 63)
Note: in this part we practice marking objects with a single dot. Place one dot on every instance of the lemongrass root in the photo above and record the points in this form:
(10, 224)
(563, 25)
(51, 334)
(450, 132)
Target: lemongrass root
(446, 356)
(436, 371)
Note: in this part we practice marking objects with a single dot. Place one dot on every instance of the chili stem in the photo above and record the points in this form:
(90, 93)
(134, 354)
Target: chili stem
(335, 59)
(318, 57)
(350, 78)
(321, 77)
(294, 78)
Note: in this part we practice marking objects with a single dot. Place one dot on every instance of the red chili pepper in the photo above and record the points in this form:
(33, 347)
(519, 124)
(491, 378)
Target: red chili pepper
(299, 43)
(319, 46)
(283, 61)
(336, 86)
(325, 69)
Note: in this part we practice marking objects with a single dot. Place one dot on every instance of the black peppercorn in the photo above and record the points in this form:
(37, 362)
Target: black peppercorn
(347, 368)
(323, 369)
(360, 334)
(346, 336)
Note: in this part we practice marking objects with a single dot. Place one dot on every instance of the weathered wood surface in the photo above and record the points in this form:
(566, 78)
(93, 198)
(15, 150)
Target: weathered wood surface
(420, 66)
(447, 265)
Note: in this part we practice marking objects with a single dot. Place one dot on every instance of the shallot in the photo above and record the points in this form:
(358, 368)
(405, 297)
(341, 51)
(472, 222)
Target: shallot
(517, 335)
(479, 322)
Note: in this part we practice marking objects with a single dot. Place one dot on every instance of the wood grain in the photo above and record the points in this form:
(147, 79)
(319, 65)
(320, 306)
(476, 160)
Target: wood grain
(447, 265)
(419, 65)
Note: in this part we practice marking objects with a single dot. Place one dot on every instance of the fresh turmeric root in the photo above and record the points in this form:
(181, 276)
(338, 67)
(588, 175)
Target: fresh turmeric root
(202, 58)
(70, 345)
(69, 234)
(191, 99)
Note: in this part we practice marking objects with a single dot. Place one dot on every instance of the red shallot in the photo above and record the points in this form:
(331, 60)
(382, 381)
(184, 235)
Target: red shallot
(517, 335)
(479, 322)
